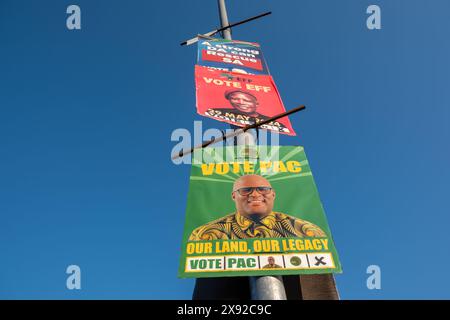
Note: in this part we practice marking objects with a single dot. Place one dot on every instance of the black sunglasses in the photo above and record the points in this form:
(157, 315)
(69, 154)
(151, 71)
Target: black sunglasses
(248, 190)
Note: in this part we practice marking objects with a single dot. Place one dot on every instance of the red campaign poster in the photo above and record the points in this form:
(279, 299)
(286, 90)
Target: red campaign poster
(239, 99)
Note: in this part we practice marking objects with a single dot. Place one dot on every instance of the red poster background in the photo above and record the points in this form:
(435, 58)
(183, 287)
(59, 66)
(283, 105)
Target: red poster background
(212, 96)
(220, 56)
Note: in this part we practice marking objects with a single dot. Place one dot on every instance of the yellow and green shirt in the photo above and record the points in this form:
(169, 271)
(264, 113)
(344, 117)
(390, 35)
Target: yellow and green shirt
(274, 225)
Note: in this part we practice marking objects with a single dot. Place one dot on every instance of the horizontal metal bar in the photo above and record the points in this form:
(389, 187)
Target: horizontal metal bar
(245, 21)
(237, 132)
(213, 32)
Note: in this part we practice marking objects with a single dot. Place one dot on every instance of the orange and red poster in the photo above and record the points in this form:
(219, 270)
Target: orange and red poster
(239, 99)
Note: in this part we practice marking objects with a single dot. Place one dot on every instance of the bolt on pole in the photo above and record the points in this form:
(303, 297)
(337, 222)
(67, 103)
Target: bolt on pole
(262, 287)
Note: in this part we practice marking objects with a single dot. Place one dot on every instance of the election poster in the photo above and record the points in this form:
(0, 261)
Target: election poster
(240, 99)
(255, 211)
(231, 55)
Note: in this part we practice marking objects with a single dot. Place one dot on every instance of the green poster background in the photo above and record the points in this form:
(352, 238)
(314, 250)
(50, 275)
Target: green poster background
(209, 199)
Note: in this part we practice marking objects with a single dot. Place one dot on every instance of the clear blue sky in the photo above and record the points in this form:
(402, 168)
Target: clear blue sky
(86, 118)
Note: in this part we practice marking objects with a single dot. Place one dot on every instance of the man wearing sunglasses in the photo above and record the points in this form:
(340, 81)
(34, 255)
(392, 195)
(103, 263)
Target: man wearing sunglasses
(254, 199)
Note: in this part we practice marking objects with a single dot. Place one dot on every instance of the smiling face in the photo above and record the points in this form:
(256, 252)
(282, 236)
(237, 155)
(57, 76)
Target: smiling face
(243, 102)
(255, 204)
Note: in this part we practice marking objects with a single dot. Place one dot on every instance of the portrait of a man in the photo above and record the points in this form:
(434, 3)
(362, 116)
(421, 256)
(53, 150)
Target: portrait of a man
(244, 108)
(271, 264)
(254, 217)
(243, 102)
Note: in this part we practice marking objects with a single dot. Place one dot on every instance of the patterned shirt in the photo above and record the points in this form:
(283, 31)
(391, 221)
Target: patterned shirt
(274, 225)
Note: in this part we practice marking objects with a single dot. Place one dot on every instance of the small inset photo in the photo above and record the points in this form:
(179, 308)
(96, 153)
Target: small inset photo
(271, 262)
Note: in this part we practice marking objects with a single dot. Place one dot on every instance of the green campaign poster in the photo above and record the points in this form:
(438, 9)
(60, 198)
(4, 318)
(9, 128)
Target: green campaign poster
(255, 211)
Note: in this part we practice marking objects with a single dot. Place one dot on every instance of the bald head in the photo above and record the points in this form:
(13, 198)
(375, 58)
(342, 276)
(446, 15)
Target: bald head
(256, 204)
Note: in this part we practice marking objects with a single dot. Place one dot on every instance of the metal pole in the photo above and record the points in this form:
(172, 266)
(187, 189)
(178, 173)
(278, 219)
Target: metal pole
(264, 287)
(246, 138)
(267, 288)
(224, 20)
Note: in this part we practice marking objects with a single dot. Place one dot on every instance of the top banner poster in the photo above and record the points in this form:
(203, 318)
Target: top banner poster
(232, 55)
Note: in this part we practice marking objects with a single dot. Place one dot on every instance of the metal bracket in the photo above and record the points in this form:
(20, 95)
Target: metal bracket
(213, 32)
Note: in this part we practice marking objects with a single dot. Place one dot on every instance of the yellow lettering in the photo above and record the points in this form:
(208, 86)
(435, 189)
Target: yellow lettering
(222, 168)
(278, 166)
(299, 245)
(231, 246)
(199, 247)
(265, 165)
(325, 243)
(190, 248)
(248, 167)
(317, 244)
(293, 166)
(266, 246)
(207, 169)
(257, 247)
(308, 245)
